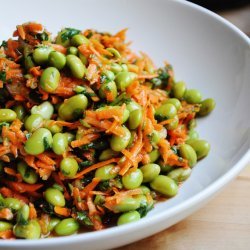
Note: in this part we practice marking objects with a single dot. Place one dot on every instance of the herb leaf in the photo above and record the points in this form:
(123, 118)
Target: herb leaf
(3, 76)
(69, 33)
(83, 218)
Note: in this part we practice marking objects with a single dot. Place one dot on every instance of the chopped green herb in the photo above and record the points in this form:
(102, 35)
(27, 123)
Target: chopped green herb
(69, 33)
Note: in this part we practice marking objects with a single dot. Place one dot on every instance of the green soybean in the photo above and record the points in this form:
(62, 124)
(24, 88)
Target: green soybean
(33, 122)
(41, 55)
(133, 179)
(60, 143)
(135, 119)
(83, 58)
(62, 39)
(115, 53)
(164, 185)
(165, 168)
(180, 174)
(126, 204)
(166, 111)
(124, 79)
(45, 109)
(12, 203)
(109, 75)
(69, 167)
(76, 66)
(23, 214)
(70, 137)
(39, 141)
(73, 107)
(106, 173)
(155, 137)
(207, 106)
(115, 67)
(150, 172)
(52, 127)
(154, 155)
(79, 39)
(72, 50)
(128, 217)
(131, 106)
(49, 80)
(118, 143)
(20, 112)
(106, 88)
(28, 174)
(174, 123)
(54, 197)
(57, 60)
(192, 96)
(192, 134)
(145, 190)
(66, 227)
(192, 124)
(107, 154)
(175, 102)
(52, 223)
(7, 115)
(201, 147)
(5, 226)
(32, 230)
(178, 90)
(187, 152)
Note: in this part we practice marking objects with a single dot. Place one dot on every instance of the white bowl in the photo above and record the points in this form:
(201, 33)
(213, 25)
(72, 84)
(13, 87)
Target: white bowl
(209, 53)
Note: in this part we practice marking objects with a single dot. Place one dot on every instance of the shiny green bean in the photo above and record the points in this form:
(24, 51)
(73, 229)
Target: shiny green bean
(201, 147)
(7, 115)
(178, 90)
(78, 40)
(60, 143)
(54, 197)
(192, 96)
(150, 172)
(187, 152)
(76, 66)
(106, 173)
(45, 109)
(41, 55)
(33, 122)
(49, 80)
(135, 119)
(106, 89)
(124, 79)
(180, 174)
(69, 167)
(107, 154)
(31, 230)
(207, 106)
(132, 180)
(57, 60)
(118, 143)
(28, 174)
(67, 227)
(128, 217)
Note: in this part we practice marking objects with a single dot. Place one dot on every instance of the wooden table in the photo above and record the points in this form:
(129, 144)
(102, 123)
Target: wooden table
(224, 223)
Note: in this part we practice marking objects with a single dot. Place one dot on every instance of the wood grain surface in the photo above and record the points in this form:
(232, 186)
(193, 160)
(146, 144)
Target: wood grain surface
(223, 224)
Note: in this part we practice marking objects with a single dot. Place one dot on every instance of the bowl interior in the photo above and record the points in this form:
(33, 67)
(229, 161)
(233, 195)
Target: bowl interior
(206, 53)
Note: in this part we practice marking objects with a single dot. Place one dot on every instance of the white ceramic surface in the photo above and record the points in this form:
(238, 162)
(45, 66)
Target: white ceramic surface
(206, 51)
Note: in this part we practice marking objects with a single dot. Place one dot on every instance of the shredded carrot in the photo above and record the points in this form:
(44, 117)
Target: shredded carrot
(5, 213)
(32, 213)
(63, 211)
(7, 234)
(86, 139)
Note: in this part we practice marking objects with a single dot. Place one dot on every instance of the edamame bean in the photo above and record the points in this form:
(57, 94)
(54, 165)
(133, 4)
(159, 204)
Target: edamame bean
(79, 39)
(135, 119)
(192, 134)
(66, 227)
(192, 96)
(32, 230)
(124, 79)
(52, 127)
(118, 143)
(7, 115)
(62, 39)
(115, 67)
(20, 112)
(73, 107)
(57, 60)
(83, 58)
(69, 167)
(70, 137)
(124, 67)
(165, 111)
(107, 154)
(150, 171)
(174, 101)
(106, 89)
(178, 90)
(114, 52)
(180, 174)
(131, 106)
(5, 226)
(23, 214)
(28, 174)
(54, 197)
(155, 138)
(41, 54)
(201, 147)
(33, 122)
(12, 203)
(128, 217)
(126, 204)
(109, 75)
(106, 173)
(154, 155)
(192, 124)
(76, 66)
(187, 152)
(39, 141)
(72, 51)
(52, 223)
(207, 106)
(174, 123)
(45, 109)
(49, 80)
(60, 143)
(165, 168)
(132, 180)
(164, 185)
(145, 190)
